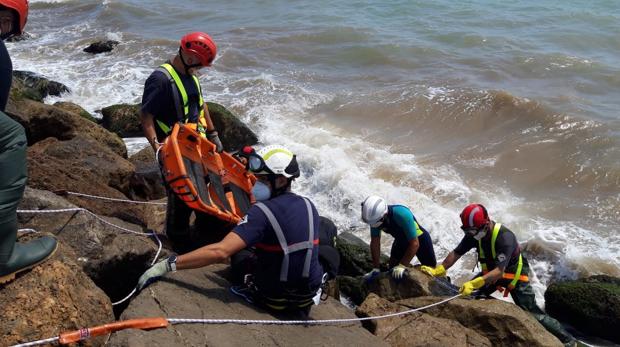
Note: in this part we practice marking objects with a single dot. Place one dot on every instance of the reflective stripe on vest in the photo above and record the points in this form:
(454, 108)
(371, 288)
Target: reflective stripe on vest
(516, 277)
(299, 246)
(182, 106)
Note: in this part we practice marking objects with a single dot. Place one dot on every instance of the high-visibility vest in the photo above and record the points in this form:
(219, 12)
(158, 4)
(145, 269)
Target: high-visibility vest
(182, 103)
(514, 277)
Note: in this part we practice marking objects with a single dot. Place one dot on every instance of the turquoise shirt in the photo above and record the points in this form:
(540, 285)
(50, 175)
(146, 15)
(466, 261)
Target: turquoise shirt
(401, 222)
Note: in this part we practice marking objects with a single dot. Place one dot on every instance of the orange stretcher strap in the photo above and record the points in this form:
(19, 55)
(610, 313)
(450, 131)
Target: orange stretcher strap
(86, 333)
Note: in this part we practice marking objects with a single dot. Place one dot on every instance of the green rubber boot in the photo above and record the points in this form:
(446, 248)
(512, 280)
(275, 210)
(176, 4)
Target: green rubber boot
(19, 257)
(16, 257)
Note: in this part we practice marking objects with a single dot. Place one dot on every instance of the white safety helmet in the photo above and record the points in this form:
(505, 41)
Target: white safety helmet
(274, 160)
(374, 209)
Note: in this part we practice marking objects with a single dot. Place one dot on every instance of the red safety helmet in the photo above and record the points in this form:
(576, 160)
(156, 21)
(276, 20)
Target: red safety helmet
(200, 44)
(474, 216)
(21, 7)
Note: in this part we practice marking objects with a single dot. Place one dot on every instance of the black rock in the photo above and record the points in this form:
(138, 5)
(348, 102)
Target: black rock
(101, 46)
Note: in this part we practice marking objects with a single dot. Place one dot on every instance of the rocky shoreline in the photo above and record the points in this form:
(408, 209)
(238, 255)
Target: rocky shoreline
(97, 264)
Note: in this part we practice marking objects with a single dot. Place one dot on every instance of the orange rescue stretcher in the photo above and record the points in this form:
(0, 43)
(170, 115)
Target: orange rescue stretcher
(207, 181)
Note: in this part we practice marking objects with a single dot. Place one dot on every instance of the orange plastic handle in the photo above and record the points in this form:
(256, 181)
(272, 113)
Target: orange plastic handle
(86, 333)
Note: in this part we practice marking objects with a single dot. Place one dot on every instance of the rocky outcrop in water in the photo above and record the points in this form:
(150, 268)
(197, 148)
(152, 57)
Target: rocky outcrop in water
(233, 133)
(124, 120)
(30, 85)
(592, 304)
(355, 258)
(101, 46)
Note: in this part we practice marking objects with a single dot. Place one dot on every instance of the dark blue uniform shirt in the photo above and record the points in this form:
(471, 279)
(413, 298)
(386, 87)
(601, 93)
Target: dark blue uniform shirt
(291, 212)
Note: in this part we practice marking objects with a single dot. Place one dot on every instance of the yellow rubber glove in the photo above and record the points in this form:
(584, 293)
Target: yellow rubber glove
(468, 287)
(439, 271)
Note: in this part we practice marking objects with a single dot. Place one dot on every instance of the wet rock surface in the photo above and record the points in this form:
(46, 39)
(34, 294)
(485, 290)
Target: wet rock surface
(203, 293)
(501, 322)
(54, 297)
(114, 259)
(146, 183)
(417, 328)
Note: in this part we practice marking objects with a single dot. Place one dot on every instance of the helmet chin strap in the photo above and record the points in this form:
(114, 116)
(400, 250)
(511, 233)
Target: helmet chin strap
(186, 65)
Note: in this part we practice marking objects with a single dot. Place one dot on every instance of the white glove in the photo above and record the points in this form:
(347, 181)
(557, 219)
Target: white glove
(371, 275)
(215, 139)
(153, 274)
(398, 271)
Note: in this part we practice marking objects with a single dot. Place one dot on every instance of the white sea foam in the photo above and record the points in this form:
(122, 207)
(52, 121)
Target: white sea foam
(135, 144)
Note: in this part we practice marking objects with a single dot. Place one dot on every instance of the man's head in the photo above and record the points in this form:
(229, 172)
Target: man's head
(197, 50)
(275, 167)
(13, 17)
(475, 221)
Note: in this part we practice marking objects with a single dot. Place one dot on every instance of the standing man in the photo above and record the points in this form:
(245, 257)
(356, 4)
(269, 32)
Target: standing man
(14, 257)
(172, 94)
(503, 266)
(410, 239)
(281, 226)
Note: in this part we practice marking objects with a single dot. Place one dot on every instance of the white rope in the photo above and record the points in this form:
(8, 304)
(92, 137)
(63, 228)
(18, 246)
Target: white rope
(302, 322)
(125, 298)
(27, 230)
(115, 199)
(79, 209)
(157, 153)
(74, 209)
(38, 342)
(269, 322)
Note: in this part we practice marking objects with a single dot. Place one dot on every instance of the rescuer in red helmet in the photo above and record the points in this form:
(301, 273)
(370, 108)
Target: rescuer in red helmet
(503, 265)
(172, 94)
